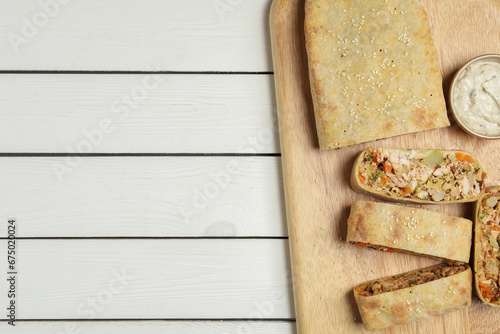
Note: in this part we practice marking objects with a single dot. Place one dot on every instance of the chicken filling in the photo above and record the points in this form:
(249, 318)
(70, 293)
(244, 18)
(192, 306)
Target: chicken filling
(412, 278)
(423, 175)
(488, 259)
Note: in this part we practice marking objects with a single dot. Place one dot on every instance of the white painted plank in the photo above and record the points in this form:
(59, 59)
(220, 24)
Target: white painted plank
(142, 113)
(151, 279)
(135, 35)
(145, 196)
(151, 327)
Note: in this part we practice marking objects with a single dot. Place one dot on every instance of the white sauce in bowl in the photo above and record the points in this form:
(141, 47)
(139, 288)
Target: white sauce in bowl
(476, 97)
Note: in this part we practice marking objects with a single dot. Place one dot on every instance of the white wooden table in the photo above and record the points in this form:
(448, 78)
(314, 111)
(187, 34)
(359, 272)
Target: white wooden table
(139, 157)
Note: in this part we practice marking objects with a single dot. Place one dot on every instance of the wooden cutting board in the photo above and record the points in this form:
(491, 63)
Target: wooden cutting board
(318, 196)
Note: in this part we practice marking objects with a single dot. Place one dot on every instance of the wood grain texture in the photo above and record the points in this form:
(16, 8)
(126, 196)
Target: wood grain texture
(135, 35)
(147, 113)
(145, 196)
(317, 193)
(150, 327)
(152, 279)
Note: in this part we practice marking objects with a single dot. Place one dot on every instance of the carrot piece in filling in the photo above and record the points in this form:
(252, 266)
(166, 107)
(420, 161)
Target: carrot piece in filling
(463, 157)
(486, 291)
(384, 180)
(361, 178)
(406, 191)
(387, 168)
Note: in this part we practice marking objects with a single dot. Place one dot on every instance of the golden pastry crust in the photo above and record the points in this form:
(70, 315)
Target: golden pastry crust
(414, 303)
(406, 229)
(373, 70)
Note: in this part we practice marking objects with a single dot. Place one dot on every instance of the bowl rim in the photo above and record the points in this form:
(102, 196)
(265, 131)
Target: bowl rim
(452, 86)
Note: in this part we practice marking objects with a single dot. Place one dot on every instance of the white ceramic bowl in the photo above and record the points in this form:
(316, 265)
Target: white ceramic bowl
(456, 77)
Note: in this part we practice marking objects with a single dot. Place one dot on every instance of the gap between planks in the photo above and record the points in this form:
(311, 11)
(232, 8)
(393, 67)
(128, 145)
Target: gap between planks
(136, 72)
(206, 326)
